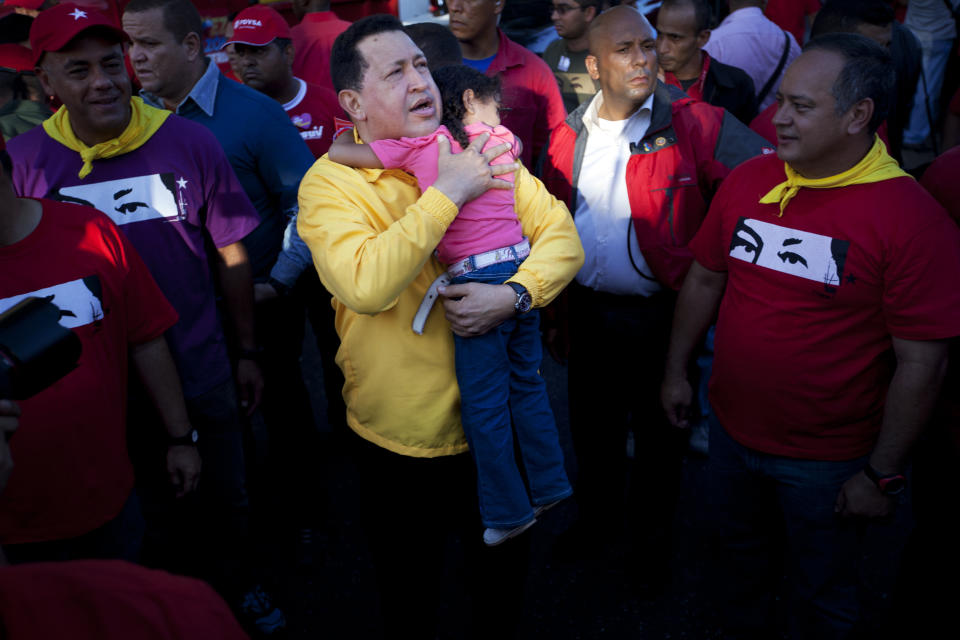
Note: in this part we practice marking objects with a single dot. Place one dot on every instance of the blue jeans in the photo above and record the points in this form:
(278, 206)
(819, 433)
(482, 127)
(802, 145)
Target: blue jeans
(499, 379)
(936, 54)
(759, 501)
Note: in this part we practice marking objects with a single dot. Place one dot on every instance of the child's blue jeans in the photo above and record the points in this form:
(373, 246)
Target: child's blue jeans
(499, 380)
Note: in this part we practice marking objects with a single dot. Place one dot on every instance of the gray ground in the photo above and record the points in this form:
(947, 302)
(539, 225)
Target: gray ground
(581, 599)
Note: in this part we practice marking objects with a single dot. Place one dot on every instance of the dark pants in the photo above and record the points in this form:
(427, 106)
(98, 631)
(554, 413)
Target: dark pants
(321, 315)
(617, 351)
(119, 539)
(290, 451)
(414, 507)
(207, 533)
(760, 501)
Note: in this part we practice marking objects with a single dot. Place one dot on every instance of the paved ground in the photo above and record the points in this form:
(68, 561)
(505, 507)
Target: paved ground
(581, 599)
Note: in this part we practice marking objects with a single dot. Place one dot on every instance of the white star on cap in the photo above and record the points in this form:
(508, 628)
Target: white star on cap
(78, 13)
(182, 183)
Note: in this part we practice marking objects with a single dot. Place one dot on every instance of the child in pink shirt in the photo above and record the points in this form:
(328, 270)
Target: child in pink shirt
(498, 372)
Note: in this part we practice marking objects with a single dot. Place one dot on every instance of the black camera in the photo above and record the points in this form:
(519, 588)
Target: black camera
(35, 350)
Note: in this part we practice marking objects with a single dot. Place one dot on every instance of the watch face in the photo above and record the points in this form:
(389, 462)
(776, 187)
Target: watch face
(194, 436)
(893, 486)
(524, 302)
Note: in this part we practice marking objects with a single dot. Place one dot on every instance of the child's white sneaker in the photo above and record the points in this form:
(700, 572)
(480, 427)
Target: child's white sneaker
(493, 537)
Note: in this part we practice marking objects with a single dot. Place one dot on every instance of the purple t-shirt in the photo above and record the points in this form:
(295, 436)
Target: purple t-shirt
(162, 196)
(486, 223)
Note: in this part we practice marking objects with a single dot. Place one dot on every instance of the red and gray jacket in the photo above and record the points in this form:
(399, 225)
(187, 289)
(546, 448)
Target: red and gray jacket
(672, 174)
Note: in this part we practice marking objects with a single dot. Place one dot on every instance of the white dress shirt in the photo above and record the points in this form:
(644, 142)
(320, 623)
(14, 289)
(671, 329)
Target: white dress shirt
(603, 206)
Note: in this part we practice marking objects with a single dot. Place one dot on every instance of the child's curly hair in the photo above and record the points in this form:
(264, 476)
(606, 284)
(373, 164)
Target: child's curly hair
(453, 81)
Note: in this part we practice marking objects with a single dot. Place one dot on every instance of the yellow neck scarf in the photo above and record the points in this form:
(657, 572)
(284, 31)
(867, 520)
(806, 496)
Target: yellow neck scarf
(144, 122)
(876, 166)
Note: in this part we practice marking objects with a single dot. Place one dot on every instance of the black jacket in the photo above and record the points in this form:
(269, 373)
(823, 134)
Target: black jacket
(731, 88)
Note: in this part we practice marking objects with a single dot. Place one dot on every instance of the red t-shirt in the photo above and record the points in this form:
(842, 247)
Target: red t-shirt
(72, 471)
(312, 112)
(790, 14)
(803, 342)
(312, 41)
(942, 180)
(109, 600)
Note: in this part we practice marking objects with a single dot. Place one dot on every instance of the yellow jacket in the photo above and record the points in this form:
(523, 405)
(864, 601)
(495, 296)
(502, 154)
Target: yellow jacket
(372, 236)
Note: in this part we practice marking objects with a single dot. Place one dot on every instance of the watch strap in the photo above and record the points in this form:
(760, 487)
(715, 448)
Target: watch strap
(189, 439)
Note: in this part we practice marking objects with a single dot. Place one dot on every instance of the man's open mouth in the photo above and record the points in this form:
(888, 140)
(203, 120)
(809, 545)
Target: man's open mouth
(422, 106)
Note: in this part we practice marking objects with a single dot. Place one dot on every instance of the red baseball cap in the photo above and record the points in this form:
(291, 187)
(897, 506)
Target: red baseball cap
(26, 4)
(258, 26)
(54, 28)
(16, 57)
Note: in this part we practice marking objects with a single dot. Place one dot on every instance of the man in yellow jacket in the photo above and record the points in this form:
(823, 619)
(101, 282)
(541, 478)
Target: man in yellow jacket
(372, 235)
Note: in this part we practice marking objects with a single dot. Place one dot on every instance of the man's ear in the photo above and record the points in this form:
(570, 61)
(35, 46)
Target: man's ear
(193, 43)
(289, 53)
(702, 38)
(592, 68)
(497, 6)
(589, 14)
(859, 116)
(352, 103)
(41, 74)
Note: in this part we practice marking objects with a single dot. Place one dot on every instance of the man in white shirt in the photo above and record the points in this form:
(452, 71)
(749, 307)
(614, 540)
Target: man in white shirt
(637, 166)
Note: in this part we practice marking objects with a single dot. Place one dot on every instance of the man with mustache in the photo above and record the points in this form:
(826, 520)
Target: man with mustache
(636, 165)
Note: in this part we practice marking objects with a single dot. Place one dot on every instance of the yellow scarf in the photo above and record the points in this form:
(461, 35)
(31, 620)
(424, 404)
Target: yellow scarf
(144, 122)
(876, 166)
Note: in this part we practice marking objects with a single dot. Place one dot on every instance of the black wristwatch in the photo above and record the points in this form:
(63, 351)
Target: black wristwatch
(889, 485)
(188, 440)
(524, 299)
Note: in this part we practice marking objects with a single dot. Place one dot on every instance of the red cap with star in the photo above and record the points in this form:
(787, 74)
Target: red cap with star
(58, 25)
(258, 26)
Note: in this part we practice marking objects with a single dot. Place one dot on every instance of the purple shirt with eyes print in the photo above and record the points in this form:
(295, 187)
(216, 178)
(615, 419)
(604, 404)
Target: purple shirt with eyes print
(165, 196)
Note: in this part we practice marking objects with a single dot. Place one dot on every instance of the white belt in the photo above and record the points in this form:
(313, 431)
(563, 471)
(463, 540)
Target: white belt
(420, 319)
(518, 251)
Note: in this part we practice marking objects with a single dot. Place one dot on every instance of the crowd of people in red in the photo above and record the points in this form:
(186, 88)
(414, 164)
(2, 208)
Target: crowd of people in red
(732, 222)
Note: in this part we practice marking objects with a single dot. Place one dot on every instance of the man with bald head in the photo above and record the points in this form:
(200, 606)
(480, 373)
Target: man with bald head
(637, 166)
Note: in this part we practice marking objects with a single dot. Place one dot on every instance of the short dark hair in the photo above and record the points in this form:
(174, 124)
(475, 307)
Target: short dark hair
(347, 65)
(845, 16)
(583, 4)
(180, 17)
(282, 43)
(703, 15)
(437, 42)
(867, 72)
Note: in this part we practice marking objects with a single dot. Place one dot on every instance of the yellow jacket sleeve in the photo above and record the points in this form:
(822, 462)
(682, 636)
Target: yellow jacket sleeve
(365, 253)
(555, 250)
